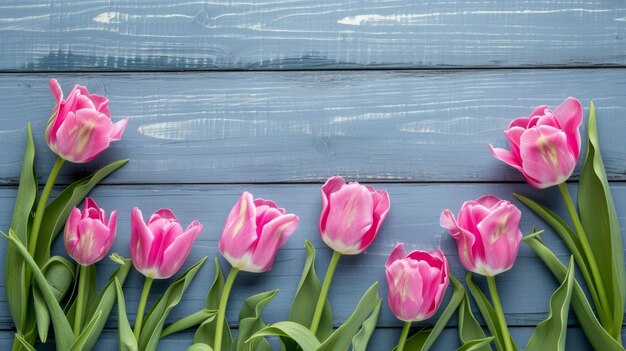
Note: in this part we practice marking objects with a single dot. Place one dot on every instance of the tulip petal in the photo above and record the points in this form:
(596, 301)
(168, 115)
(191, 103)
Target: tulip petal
(70, 237)
(140, 240)
(274, 235)
(381, 209)
(509, 158)
(501, 237)
(520, 122)
(162, 213)
(240, 230)
(546, 155)
(398, 253)
(118, 129)
(489, 201)
(175, 254)
(570, 116)
(350, 214)
(464, 240)
(332, 185)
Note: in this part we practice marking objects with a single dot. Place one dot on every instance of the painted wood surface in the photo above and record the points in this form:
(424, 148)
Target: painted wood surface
(413, 220)
(238, 127)
(309, 34)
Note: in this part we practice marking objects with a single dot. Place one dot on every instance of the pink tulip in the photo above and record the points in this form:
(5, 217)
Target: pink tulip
(545, 145)
(88, 236)
(80, 127)
(160, 246)
(416, 283)
(487, 234)
(253, 232)
(351, 215)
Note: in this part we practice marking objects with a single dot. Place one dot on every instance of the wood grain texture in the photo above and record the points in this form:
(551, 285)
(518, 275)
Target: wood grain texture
(416, 126)
(309, 34)
(382, 339)
(414, 220)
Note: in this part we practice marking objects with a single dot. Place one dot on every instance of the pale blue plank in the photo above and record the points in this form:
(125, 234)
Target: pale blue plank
(305, 126)
(525, 290)
(311, 34)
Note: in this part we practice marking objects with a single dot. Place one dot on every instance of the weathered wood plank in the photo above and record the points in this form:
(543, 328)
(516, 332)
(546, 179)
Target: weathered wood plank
(525, 290)
(419, 126)
(382, 339)
(311, 34)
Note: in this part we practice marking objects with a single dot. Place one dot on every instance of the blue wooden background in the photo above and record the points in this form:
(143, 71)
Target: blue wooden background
(275, 96)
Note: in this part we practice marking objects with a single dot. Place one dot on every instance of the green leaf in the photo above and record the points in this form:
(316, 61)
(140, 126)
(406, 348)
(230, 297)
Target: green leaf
(127, 341)
(341, 339)
(59, 273)
(206, 332)
(297, 332)
(476, 345)
(24, 343)
(600, 221)
(550, 334)
(469, 330)
(597, 336)
(305, 299)
(63, 334)
(86, 334)
(199, 347)
(486, 310)
(362, 338)
(250, 322)
(188, 322)
(57, 211)
(424, 339)
(16, 287)
(155, 319)
(90, 294)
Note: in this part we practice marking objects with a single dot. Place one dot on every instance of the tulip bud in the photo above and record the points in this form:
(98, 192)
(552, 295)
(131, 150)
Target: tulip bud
(545, 145)
(416, 282)
(88, 236)
(487, 234)
(80, 127)
(253, 232)
(351, 215)
(160, 246)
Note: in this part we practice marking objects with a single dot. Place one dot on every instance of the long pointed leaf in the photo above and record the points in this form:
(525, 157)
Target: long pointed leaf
(476, 345)
(206, 332)
(297, 332)
(17, 289)
(600, 221)
(550, 334)
(469, 330)
(63, 334)
(250, 322)
(127, 341)
(362, 338)
(597, 336)
(86, 334)
(486, 310)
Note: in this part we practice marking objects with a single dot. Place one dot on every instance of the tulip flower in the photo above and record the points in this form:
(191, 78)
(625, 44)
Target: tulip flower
(88, 238)
(416, 284)
(352, 215)
(487, 235)
(158, 249)
(545, 145)
(80, 127)
(253, 232)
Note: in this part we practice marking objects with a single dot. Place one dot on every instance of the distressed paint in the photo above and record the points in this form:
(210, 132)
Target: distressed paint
(309, 34)
(416, 126)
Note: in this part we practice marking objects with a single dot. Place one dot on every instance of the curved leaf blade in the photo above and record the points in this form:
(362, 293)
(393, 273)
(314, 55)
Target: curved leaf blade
(550, 334)
(297, 332)
(476, 345)
(127, 341)
(362, 338)
(469, 330)
(250, 322)
(206, 331)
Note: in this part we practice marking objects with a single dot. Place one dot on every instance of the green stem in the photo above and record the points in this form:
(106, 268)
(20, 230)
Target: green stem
(80, 300)
(403, 336)
(41, 206)
(221, 311)
(495, 299)
(590, 259)
(321, 300)
(142, 306)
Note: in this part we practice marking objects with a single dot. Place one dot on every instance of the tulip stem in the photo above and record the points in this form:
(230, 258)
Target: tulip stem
(80, 299)
(590, 259)
(321, 300)
(41, 206)
(403, 336)
(142, 306)
(495, 299)
(221, 311)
